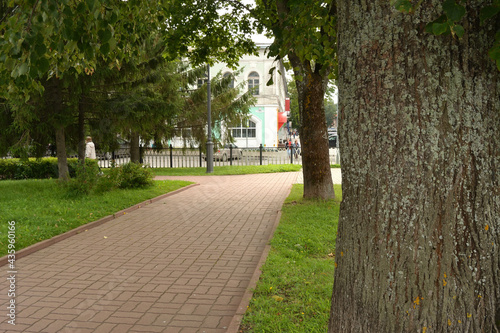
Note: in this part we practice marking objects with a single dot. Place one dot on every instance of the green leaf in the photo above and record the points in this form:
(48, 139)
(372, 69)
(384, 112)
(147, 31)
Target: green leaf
(21, 70)
(113, 18)
(91, 4)
(105, 48)
(9, 64)
(80, 9)
(488, 12)
(43, 65)
(40, 49)
(494, 53)
(454, 11)
(112, 44)
(458, 30)
(430, 26)
(403, 5)
(104, 35)
(440, 28)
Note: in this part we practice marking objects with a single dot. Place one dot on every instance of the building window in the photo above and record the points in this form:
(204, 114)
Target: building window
(247, 129)
(253, 83)
(231, 84)
(202, 81)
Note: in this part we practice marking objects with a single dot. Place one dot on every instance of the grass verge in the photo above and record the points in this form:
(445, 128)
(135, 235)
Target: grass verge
(294, 290)
(42, 208)
(227, 170)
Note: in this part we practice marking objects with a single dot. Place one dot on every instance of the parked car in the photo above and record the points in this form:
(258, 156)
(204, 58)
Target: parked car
(224, 153)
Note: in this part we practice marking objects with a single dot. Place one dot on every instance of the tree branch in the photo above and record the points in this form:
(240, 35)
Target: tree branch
(31, 15)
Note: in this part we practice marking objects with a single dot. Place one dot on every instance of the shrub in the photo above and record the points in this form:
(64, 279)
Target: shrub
(85, 180)
(90, 179)
(133, 175)
(108, 181)
(15, 168)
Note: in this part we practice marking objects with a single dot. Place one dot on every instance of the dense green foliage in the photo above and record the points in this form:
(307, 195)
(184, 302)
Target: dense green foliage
(91, 179)
(76, 67)
(15, 168)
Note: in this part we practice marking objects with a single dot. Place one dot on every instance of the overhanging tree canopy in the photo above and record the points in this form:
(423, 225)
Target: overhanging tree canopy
(304, 32)
(66, 40)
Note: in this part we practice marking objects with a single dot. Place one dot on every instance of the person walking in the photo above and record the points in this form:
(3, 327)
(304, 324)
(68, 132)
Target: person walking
(90, 149)
(296, 150)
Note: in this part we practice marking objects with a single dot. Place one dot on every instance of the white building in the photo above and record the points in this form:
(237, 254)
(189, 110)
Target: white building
(268, 115)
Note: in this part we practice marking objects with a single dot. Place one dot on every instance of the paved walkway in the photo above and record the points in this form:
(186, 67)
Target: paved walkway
(336, 176)
(181, 264)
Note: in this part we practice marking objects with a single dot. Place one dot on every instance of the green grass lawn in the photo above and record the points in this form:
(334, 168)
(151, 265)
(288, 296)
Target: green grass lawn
(42, 209)
(294, 290)
(227, 170)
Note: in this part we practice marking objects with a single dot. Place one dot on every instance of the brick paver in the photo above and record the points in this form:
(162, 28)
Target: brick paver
(181, 264)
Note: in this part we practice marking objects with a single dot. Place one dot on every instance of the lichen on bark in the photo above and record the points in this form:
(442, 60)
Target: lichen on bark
(420, 219)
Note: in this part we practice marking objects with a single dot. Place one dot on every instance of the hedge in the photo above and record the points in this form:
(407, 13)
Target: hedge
(14, 168)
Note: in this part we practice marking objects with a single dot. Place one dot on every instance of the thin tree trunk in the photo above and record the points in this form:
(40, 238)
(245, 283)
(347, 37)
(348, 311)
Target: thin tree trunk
(62, 161)
(418, 240)
(81, 130)
(135, 155)
(54, 101)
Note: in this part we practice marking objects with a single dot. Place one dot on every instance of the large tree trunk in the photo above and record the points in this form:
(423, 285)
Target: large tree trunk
(419, 232)
(313, 132)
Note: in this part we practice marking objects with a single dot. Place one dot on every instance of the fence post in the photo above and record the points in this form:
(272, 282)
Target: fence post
(199, 148)
(230, 154)
(260, 149)
(171, 164)
(291, 154)
(141, 152)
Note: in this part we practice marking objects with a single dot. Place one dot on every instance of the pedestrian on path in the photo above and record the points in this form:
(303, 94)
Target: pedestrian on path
(296, 150)
(90, 149)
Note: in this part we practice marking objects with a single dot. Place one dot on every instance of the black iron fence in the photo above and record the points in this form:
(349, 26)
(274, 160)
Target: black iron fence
(194, 157)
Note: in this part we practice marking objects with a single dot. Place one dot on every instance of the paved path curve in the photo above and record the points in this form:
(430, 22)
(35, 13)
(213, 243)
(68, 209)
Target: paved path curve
(181, 264)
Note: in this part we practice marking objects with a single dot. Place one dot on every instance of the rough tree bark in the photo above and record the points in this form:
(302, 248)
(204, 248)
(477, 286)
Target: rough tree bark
(62, 159)
(311, 79)
(54, 101)
(135, 153)
(313, 131)
(419, 232)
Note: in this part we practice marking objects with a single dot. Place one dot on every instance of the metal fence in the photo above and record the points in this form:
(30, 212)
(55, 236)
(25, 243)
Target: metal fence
(194, 157)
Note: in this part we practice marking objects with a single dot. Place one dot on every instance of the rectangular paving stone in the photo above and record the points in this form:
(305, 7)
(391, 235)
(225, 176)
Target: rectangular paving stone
(168, 267)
